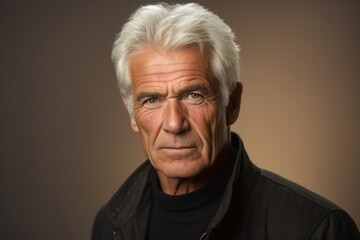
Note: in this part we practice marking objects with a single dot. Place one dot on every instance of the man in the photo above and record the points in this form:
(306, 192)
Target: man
(178, 72)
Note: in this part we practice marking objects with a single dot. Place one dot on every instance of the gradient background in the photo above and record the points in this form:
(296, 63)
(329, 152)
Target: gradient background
(65, 140)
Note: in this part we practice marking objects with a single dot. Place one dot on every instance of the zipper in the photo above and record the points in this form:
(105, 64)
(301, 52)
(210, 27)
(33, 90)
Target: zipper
(116, 235)
(204, 236)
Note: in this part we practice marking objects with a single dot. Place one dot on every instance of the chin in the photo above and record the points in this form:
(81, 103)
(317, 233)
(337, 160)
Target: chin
(187, 170)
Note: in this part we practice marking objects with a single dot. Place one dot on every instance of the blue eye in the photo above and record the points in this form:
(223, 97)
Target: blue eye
(194, 96)
(151, 100)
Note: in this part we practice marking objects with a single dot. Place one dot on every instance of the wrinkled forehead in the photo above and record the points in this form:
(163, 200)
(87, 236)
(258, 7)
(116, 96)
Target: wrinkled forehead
(158, 65)
(174, 88)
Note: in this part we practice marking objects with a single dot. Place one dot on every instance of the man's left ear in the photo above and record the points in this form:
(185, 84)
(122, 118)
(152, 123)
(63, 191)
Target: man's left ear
(233, 107)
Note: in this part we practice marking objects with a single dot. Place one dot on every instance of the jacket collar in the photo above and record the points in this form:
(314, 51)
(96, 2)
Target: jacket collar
(132, 201)
(241, 182)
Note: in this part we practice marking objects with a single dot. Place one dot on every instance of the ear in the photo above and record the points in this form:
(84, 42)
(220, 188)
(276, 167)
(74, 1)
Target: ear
(132, 119)
(233, 107)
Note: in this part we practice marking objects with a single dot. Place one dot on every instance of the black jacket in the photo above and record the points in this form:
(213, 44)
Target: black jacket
(257, 204)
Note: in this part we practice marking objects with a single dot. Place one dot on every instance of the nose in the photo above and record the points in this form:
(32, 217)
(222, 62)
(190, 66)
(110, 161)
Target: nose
(175, 118)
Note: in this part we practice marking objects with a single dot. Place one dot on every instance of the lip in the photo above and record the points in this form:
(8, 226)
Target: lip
(178, 152)
(177, 148)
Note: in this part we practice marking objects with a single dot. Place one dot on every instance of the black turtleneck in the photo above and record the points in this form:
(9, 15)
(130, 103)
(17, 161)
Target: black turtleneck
(186, 216)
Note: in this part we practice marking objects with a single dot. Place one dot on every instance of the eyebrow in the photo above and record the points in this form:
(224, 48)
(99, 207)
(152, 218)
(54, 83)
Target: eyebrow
(143, 95)
(193, 88)
(140, 96)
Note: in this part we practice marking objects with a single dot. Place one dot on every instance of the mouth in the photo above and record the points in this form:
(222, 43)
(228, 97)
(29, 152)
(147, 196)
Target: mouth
(178, 152)
(177, 148)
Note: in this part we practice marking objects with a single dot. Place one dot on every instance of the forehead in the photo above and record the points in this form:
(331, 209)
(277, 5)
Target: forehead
(154, 65)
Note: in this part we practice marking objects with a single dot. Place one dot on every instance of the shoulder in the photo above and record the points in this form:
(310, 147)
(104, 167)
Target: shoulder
(336, 225)
(300, 210)
(288, 190)
(130, 195)
(123, 204)
(101, 228)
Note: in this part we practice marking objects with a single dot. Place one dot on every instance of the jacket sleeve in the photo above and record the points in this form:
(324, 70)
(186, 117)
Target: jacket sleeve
(101, 228)
(336, 225)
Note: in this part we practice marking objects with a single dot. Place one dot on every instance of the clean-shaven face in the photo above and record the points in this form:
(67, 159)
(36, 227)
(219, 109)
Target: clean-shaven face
(178, 111)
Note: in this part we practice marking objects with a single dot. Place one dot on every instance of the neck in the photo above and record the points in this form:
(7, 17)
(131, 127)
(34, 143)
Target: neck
(181, 186)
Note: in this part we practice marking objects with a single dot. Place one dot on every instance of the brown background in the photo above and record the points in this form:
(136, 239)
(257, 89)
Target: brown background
(65, 141)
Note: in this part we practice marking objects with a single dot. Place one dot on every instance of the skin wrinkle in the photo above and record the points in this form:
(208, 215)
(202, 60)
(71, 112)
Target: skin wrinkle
(182, 134)
(179, 90)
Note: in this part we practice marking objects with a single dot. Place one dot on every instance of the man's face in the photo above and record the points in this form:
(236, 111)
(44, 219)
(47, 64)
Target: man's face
(178, 111)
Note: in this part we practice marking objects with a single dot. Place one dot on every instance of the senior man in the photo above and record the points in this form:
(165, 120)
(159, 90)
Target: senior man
(178, 72)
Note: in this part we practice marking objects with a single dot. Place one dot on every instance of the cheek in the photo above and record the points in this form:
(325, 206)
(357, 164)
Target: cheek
(217, 128)
(148, 123)
(215, 118)
(206, 121)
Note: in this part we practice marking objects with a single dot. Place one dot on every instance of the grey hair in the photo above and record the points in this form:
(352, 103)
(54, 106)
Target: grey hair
(172, 27)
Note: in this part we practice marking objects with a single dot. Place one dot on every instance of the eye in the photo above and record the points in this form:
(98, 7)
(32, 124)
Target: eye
(194, 96)
(151, 100)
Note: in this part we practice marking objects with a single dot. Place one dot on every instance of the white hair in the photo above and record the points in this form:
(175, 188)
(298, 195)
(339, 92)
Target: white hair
(172, 27)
